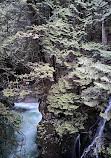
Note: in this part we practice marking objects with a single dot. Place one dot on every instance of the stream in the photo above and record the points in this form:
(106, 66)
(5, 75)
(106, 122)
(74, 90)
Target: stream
(92, 150)
(26, 138)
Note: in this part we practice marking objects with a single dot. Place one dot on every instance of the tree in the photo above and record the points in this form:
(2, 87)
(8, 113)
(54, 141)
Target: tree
(95, 13)
(104, 36)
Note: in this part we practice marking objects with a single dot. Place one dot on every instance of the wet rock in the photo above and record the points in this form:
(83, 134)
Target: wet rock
(30, 99)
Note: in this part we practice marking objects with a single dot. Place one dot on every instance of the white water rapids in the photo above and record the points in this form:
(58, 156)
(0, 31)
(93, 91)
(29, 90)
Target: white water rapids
(97, 139)
(27, 146)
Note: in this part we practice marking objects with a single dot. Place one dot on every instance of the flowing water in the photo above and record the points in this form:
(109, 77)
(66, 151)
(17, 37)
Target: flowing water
(97, 138)
(77, 147)
(26, 138)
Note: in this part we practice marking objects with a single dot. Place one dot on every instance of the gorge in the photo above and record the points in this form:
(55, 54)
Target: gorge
(94, 149)
(26, 138)
(59, 52)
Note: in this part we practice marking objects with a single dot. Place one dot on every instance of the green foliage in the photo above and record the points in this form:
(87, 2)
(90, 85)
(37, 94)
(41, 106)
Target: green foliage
(106, 116)
(63, 101)
(58, 36)
(60, 98)
(8, 117)
(107, 151)
(93, 13)
(15, 92)
(9, 124)
(92, 46)
(97, 72)
(39, 71)
(62, 29)
(64, 126)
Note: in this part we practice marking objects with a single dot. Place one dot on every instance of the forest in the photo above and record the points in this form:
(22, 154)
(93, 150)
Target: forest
(55, 74)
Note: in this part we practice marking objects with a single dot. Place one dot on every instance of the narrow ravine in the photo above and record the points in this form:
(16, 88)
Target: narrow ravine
(93, 148)
(26, 137)
(58, 51)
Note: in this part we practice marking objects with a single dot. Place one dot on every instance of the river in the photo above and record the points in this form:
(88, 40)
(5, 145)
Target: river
(26, 138)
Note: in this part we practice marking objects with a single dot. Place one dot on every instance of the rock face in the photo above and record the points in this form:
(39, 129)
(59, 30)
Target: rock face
(30, 99)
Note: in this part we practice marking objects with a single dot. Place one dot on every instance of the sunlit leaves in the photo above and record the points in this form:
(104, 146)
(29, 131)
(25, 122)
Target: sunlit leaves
(39, 71)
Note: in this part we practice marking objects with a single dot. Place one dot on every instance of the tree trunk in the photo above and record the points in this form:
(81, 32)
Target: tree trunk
(104, 36)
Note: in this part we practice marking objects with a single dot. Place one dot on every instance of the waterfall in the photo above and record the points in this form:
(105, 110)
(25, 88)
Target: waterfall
(77, 145)
(97, 138)
(26, 138)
